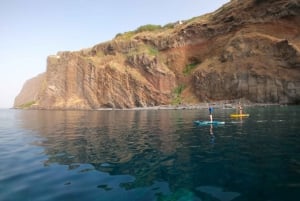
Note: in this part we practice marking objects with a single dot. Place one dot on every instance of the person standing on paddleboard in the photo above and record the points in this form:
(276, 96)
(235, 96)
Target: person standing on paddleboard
(240, 108)
(210, 109)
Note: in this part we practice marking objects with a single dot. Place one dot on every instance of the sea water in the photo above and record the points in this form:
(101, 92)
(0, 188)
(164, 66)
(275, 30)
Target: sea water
(147, 155)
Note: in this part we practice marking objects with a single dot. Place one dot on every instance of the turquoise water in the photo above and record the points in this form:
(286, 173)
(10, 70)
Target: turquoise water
(150, 155)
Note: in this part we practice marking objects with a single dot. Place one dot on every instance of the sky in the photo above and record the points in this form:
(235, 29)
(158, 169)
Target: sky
(31, 30)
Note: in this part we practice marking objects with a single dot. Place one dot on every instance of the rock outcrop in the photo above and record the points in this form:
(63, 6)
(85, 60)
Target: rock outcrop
(248, 50)
(30, 91)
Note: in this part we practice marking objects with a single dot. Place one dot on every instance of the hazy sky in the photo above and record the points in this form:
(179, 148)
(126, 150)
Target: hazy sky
(31, 30)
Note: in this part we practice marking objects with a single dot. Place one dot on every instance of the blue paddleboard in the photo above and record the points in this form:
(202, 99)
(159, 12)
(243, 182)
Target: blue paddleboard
(200, 123)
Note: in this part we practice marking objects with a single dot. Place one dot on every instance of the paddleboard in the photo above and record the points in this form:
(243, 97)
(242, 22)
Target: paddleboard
(209, 122)
(239, 115)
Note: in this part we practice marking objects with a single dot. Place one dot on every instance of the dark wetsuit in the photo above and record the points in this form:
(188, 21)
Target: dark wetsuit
(210, 109)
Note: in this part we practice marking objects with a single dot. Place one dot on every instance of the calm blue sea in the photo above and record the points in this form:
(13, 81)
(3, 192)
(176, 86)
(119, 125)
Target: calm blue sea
(150, 155)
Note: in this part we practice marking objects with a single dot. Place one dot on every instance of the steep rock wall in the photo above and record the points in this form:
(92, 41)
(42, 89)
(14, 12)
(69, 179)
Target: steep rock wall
(248, 50)
(75, 82)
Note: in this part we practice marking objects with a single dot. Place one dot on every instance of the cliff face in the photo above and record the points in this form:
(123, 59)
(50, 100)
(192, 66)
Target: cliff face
(248, 50)
(80, 81)
(30, 91)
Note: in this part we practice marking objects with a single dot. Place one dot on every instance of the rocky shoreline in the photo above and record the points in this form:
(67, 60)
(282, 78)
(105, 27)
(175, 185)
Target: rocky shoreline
(219, 105)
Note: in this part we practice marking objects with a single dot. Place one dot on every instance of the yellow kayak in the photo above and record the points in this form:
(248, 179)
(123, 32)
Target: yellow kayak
(239, 115)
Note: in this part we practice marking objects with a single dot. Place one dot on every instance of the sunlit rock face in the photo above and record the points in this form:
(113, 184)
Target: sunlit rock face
(248, 50)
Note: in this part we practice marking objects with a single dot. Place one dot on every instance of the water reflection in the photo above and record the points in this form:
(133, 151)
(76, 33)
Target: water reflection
(212, 136)
(164, 151)
(143, 144)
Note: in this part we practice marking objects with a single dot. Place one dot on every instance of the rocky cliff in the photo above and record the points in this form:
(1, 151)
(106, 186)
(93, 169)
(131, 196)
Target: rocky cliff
(247, 49)
(30, 91)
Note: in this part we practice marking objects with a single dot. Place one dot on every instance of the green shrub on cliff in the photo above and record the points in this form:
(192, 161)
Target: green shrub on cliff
(129, 34)
(26, 105)
(153, 51)
(169, 26)
(189, 67)
(147, 27)
(126, 35)
(177, 94)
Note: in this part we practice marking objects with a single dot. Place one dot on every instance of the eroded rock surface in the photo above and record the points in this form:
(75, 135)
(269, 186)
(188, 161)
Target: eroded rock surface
(248, 50)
